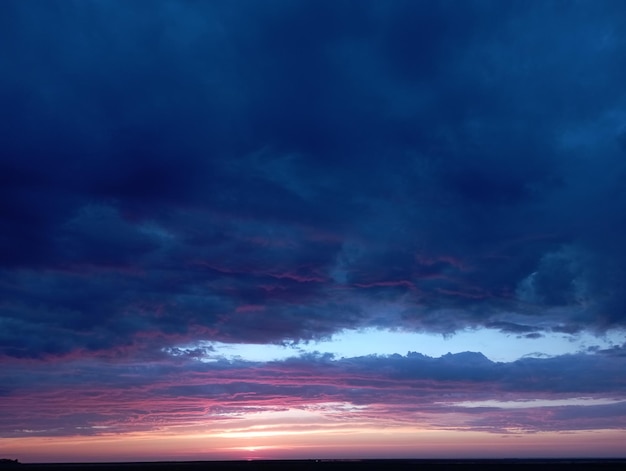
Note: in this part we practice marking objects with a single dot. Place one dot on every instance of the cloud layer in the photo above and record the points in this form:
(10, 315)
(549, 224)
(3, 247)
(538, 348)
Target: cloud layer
(457, 391)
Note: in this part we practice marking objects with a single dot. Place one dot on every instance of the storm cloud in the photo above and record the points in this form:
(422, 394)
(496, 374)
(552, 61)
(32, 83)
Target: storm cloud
(279, 172)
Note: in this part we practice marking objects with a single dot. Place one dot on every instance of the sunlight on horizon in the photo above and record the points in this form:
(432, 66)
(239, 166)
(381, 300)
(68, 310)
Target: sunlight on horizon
(364, 444)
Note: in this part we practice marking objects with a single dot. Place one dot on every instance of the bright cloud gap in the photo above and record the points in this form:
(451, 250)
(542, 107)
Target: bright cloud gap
(494, 344)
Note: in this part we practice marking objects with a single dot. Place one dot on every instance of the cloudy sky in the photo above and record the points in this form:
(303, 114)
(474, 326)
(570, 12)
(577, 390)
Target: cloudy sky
(312, 228)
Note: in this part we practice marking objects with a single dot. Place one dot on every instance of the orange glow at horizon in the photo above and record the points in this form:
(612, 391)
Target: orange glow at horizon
(326, 430)
(371, 442)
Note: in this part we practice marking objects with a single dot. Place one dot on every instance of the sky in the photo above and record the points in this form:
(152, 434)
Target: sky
(312, 229)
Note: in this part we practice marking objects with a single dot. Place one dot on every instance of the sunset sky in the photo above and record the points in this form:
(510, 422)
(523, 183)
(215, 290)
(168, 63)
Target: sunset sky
(235, 229)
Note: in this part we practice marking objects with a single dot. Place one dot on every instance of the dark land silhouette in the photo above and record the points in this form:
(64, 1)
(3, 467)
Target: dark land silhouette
(333, 465)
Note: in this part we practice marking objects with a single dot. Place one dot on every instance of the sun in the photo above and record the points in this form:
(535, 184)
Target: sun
(253, 448)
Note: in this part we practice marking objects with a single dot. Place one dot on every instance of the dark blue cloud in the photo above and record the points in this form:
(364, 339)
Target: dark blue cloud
(270, 173)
